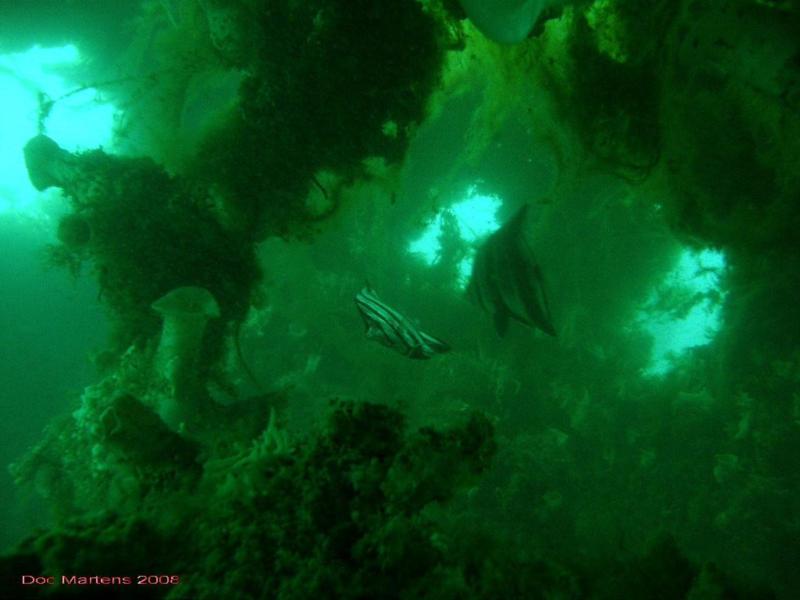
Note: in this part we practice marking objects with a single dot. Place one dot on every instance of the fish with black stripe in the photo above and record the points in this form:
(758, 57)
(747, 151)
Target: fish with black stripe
(506, 279)
(388, 327)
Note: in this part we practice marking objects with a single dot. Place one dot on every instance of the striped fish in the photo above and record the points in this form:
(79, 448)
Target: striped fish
(388, 327)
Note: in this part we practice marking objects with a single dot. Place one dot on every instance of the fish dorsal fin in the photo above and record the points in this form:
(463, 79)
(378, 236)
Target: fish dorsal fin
(517, 222)
(537, 309)
(547, 322)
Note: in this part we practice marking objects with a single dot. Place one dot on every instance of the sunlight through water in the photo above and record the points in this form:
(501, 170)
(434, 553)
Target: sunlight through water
(78, 120)
(476, 217)
(684, 311)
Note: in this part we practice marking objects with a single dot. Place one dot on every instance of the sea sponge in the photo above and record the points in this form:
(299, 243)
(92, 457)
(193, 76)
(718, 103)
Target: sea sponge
(185, 311)
(48, 164)
(74, 231)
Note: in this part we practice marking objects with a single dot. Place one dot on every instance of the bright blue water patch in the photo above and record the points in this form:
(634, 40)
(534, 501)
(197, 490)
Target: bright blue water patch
(427, 246)
(465, 269)
(684, 311)
(476, 217)
(77, 121)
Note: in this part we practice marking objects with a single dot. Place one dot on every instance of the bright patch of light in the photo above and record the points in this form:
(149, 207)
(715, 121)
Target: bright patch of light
(427, 246)
(76, 121)
(476, 217)
(465, 269)
(684, 310)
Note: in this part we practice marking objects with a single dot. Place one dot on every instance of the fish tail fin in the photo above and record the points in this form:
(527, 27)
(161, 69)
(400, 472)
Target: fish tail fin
(501, 322)
(439, 346)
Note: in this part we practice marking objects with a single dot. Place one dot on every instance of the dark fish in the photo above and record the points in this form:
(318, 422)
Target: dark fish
(388, 327)
(506, 280)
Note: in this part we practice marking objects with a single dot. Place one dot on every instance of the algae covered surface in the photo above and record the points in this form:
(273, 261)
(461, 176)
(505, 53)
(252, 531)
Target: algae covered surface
(387, 299)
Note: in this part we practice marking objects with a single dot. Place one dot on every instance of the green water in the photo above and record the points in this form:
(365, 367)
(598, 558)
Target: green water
(245, 438)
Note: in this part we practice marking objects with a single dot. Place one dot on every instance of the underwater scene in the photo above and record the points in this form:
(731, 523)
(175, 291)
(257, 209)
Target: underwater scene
(400, 299)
